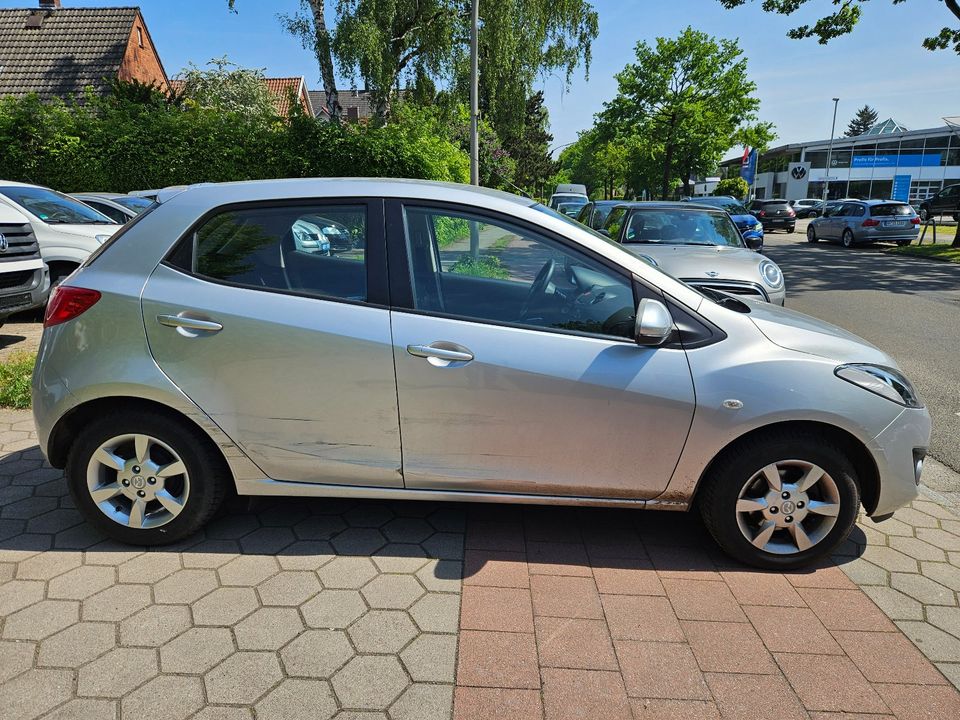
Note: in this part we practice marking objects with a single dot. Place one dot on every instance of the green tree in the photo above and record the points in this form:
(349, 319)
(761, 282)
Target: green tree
(845, 18)
(734, 187)
(227, 87)
(528, 144)
(689, 99)
(865, 119)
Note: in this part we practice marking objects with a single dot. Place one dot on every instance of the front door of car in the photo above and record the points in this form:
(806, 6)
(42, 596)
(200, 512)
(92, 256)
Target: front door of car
(516, 367)
(284, 343)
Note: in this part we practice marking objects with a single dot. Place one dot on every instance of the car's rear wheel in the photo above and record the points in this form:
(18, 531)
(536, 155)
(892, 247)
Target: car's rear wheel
(145, 479)
(847, 238)
(924, 214)
(902, 243)
(780, 501)
(812, 234)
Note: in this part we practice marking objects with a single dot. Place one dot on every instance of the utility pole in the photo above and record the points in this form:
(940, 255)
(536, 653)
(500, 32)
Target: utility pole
(833, 129)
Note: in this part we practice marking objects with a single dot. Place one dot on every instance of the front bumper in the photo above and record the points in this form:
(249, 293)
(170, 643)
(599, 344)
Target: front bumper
(30, 296)
(893, 451)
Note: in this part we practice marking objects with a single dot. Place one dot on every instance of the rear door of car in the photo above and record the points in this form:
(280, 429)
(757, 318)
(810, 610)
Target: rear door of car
(287, 349)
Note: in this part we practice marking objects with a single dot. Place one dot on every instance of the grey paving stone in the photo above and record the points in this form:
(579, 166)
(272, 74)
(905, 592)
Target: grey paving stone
(894, 603)
(933, 509)
(358, 541)
(442, 575)
(424, 702)
(865, 573)
(922, 589)
(348, 573)
(196, 651)
(437, 612)
(49, 564)
(80, 583)
(400, 558)
(360, 715)
(316, 653)
(444, 546)
(220, 712)
(117, 673)
(368, 515)
(154, 625)
(248, 570)
(917, 549)
(15, 658)
(933, 642)
(407, 530)
(319, 527)
(267, 540)
(17, 594)
(34, 692)
(431, 658)
(916, 518)
(944, 573)
(225, 606)
(164, 698)
(149, 567)
(268, 628)
(945, 618)
(211, 554)
(396, 592)
(951, 671)
(890, 559)
(306, 555)
(333, 609)
(940, 538)
(242, 678)
(382, 631)
(185, 586)
(85, 709)
(370, 682)
(77, 645)
(41, 620)
(289, 587)
(116, 603)
(298, 699)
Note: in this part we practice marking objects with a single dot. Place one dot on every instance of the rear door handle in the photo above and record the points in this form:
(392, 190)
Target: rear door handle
(435, 351)
(189, 323)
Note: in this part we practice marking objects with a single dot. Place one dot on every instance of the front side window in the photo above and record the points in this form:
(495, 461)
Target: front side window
(116, 215)
(475, 268)
(54, 208)
(614, 222)
(682, 227)
(315, 250)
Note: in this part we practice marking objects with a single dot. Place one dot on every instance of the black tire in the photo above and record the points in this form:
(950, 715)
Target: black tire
(812, 234)
(717, 500)
(205, 466)
(902, 243)
(924, 214)
(847, 238)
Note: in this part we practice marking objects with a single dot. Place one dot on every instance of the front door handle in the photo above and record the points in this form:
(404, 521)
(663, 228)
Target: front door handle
(189, 323)
(438, 351)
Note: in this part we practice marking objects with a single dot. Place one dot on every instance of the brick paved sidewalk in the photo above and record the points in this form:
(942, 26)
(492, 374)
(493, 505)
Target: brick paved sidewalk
(320, 608)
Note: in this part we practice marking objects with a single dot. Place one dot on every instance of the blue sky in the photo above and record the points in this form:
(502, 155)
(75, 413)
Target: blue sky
(882, 63)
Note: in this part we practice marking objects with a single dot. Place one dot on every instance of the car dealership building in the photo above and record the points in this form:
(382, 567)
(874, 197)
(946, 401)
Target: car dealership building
(888, 161)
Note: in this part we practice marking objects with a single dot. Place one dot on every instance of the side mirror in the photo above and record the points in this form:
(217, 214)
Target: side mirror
(654, 324)
(754, 242)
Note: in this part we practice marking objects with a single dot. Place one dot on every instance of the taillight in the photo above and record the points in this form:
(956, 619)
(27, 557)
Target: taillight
(791, 212)
(762, 213)
(67, 302)
(915, 220)
(870, 222)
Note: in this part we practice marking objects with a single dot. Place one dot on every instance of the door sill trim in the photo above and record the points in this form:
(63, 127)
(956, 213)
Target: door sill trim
(281, 488)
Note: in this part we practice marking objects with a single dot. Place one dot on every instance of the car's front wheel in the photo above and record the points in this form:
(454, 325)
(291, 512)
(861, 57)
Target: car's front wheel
(144, 478)
(780, 501)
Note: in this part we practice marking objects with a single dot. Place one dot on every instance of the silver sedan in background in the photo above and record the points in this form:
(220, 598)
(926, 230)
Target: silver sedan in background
(476, 346)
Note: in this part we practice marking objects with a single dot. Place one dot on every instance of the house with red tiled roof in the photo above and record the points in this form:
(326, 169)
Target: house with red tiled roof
(280, 90)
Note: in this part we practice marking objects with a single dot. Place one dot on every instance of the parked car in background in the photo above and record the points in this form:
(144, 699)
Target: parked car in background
(66, 229)
(697, 244)
(447, 378)
(571, 208)
(774, 214)
(749, 226)
(116, 206)
(806, 207)
(595, 212)
(945, 202)
(867, 221)
(569, 192)
(24, 279)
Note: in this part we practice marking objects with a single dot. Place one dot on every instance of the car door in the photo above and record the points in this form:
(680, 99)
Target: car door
(287, 349)
(516, 367)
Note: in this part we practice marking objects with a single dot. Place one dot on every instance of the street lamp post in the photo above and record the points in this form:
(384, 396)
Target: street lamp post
(474, 93)
(833, 129)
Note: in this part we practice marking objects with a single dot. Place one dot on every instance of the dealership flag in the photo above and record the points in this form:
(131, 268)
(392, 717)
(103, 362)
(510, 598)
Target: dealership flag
(748, 165)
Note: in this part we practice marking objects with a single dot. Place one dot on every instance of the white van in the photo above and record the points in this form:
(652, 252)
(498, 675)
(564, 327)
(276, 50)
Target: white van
(24, 280)
(67, 230)
(569, 193)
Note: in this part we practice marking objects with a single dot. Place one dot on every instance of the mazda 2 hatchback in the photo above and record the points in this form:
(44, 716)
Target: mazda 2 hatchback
(473, 346)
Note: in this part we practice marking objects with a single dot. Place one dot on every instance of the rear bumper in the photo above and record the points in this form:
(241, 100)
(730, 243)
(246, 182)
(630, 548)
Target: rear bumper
(893, 451)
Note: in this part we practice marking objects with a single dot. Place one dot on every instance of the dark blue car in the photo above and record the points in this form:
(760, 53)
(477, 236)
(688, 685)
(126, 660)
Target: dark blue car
(749, 226)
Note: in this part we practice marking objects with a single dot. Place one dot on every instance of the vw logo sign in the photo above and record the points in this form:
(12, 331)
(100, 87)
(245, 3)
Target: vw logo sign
(799, 172)
(4, 243)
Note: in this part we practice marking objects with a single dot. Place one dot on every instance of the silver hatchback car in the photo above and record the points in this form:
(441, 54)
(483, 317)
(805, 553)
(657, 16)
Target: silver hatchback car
(857, 222)
(474, 346)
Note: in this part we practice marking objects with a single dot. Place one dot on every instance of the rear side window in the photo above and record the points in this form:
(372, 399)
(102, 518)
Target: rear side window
(314, 250)
(852, 210)
(890, 210)
(614, 221)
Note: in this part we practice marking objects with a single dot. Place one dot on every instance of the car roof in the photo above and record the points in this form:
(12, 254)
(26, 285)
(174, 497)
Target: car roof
(606, 203)
(104, 195)
(668, 205)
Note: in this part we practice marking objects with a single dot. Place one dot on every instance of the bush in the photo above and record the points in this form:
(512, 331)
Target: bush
(486, 266)
(15, 376)
(734, 187)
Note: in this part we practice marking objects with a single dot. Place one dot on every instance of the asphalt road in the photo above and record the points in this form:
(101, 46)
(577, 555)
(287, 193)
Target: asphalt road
(908, 307)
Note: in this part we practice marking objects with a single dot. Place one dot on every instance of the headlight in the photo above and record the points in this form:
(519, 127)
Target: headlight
(771, 274)
(101, 238)
(648, 260)
(883, 381)
(330, 231)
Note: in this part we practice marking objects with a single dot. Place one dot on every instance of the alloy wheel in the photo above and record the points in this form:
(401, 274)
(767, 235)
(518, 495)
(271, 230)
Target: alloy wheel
(788, 507)
(138, 481)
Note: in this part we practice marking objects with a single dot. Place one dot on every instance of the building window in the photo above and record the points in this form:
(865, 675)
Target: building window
(922, 189)
(859, 189)
(140, 37)
(881, 189)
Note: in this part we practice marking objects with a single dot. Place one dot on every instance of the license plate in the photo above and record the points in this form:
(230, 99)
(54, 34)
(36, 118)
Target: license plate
(894, 223)
(12, 301)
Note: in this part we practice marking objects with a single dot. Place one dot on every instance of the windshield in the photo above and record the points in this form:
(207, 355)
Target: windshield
(565, 198)
(730, 206)
(570, 221)
(132, 202)
(53, 207)
(682, 227)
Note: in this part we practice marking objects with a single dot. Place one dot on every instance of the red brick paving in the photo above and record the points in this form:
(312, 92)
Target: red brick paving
(583, 614)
